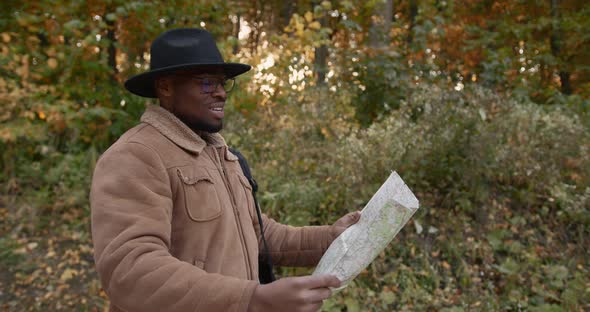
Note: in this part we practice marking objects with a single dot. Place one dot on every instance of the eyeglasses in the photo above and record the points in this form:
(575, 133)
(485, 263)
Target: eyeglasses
(210, 85)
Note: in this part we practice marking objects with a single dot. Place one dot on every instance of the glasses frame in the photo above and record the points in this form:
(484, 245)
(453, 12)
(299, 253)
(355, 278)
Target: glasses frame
(206, 83)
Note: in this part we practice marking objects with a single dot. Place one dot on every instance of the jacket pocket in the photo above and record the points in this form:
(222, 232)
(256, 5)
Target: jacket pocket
(200, 195)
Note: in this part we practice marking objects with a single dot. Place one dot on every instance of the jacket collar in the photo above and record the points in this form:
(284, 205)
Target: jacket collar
(179, 133)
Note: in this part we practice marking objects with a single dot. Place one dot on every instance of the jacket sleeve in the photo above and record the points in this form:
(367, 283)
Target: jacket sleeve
(131, 211)
(294, 246)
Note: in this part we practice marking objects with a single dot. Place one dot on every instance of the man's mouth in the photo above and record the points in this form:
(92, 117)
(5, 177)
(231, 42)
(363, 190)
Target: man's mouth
(217, 111)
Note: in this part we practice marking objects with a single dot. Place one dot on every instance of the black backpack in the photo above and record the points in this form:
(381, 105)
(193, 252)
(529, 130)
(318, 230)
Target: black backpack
(265, 273)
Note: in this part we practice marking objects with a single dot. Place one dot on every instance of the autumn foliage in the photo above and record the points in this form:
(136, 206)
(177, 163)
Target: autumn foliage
(481, 106)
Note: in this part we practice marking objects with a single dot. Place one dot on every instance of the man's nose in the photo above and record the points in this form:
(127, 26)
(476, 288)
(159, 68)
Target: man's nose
(219, 91)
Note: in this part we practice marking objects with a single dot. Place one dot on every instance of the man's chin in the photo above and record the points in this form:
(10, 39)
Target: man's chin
(200, 126)
(207, 128)
(215, 129)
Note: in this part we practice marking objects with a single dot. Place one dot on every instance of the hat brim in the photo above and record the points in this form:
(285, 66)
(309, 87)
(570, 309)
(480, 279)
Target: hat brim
(143, 84)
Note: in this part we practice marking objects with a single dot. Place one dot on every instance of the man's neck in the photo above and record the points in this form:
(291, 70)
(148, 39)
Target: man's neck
(206, 136)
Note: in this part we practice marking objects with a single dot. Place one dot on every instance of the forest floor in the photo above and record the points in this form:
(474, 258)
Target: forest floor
(507, 262)
(51, 269)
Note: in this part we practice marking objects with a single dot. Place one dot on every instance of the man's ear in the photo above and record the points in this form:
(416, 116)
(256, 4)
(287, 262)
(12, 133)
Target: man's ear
(164, 87)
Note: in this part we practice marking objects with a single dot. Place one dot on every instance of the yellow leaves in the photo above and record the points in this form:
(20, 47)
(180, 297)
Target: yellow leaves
(446, 265)
(29, 115)
(86, 249)
(23, 70)
(22, 22)
(41, 115)
(299, 27)
(308, 16)
(5, 37)
(32, 277)
(20, 251)
(26, 248)
(315, 25)
(52, 63)
(51, 52)
(305, 27)
(68, 274)
(6, 136)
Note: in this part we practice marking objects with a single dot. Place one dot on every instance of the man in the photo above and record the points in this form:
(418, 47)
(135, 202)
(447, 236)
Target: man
(174, 224)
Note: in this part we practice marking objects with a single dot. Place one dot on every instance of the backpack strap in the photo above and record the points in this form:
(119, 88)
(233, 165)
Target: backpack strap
(265, 273)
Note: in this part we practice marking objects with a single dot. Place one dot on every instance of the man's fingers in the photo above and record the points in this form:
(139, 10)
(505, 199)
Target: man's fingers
(318, 295)
(314, 307)
(319, 281)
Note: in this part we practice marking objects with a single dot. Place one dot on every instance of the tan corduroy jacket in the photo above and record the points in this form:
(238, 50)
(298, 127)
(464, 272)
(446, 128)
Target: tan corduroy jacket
(174, 224)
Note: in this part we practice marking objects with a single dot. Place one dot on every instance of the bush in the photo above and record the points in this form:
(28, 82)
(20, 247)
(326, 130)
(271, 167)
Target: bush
(466, 147)
(502, 184)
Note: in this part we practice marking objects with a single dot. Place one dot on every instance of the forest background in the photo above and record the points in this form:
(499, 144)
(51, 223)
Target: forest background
(481, 106)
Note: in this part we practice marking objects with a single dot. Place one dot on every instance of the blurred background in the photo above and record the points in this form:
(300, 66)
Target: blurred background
(482, 107)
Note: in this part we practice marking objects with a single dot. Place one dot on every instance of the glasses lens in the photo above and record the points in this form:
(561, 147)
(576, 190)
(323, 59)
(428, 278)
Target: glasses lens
(228, 84)
(208, 85)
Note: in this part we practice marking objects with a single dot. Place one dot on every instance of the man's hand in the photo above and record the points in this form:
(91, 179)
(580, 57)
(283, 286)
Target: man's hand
(293, 294)
(343, 223)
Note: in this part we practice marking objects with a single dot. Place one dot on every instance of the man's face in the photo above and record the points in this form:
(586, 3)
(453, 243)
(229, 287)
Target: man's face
(190, 102)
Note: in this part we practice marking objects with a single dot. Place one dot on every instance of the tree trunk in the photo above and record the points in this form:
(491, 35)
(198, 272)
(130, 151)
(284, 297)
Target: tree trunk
(566, 86)
(388, 17)
(236, 47)
(112, 49)
(321, 55)
(375, 31)
(379, 33)
(555, 42)
(412, 16)
(287, 11)
(256, 26)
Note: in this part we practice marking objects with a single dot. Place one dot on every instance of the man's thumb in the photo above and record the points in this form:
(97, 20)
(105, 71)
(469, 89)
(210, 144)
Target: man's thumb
(350, 219)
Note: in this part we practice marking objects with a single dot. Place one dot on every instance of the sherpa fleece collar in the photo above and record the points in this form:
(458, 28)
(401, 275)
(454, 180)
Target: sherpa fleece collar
(179, 133)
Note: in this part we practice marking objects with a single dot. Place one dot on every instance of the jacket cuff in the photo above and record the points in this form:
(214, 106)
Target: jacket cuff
(247, 295)
(330, 236)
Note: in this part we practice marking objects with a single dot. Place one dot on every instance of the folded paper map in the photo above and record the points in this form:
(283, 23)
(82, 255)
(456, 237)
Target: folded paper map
(381, 219)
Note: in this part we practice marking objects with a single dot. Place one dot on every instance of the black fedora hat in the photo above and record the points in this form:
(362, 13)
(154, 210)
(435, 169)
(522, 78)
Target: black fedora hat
(182, 48)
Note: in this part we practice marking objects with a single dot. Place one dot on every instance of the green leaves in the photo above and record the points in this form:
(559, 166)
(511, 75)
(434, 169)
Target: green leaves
(73, 25)
(504, 180)
(556, 275)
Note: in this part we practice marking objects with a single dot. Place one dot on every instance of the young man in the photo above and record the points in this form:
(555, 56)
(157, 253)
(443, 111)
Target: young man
(174, 224)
